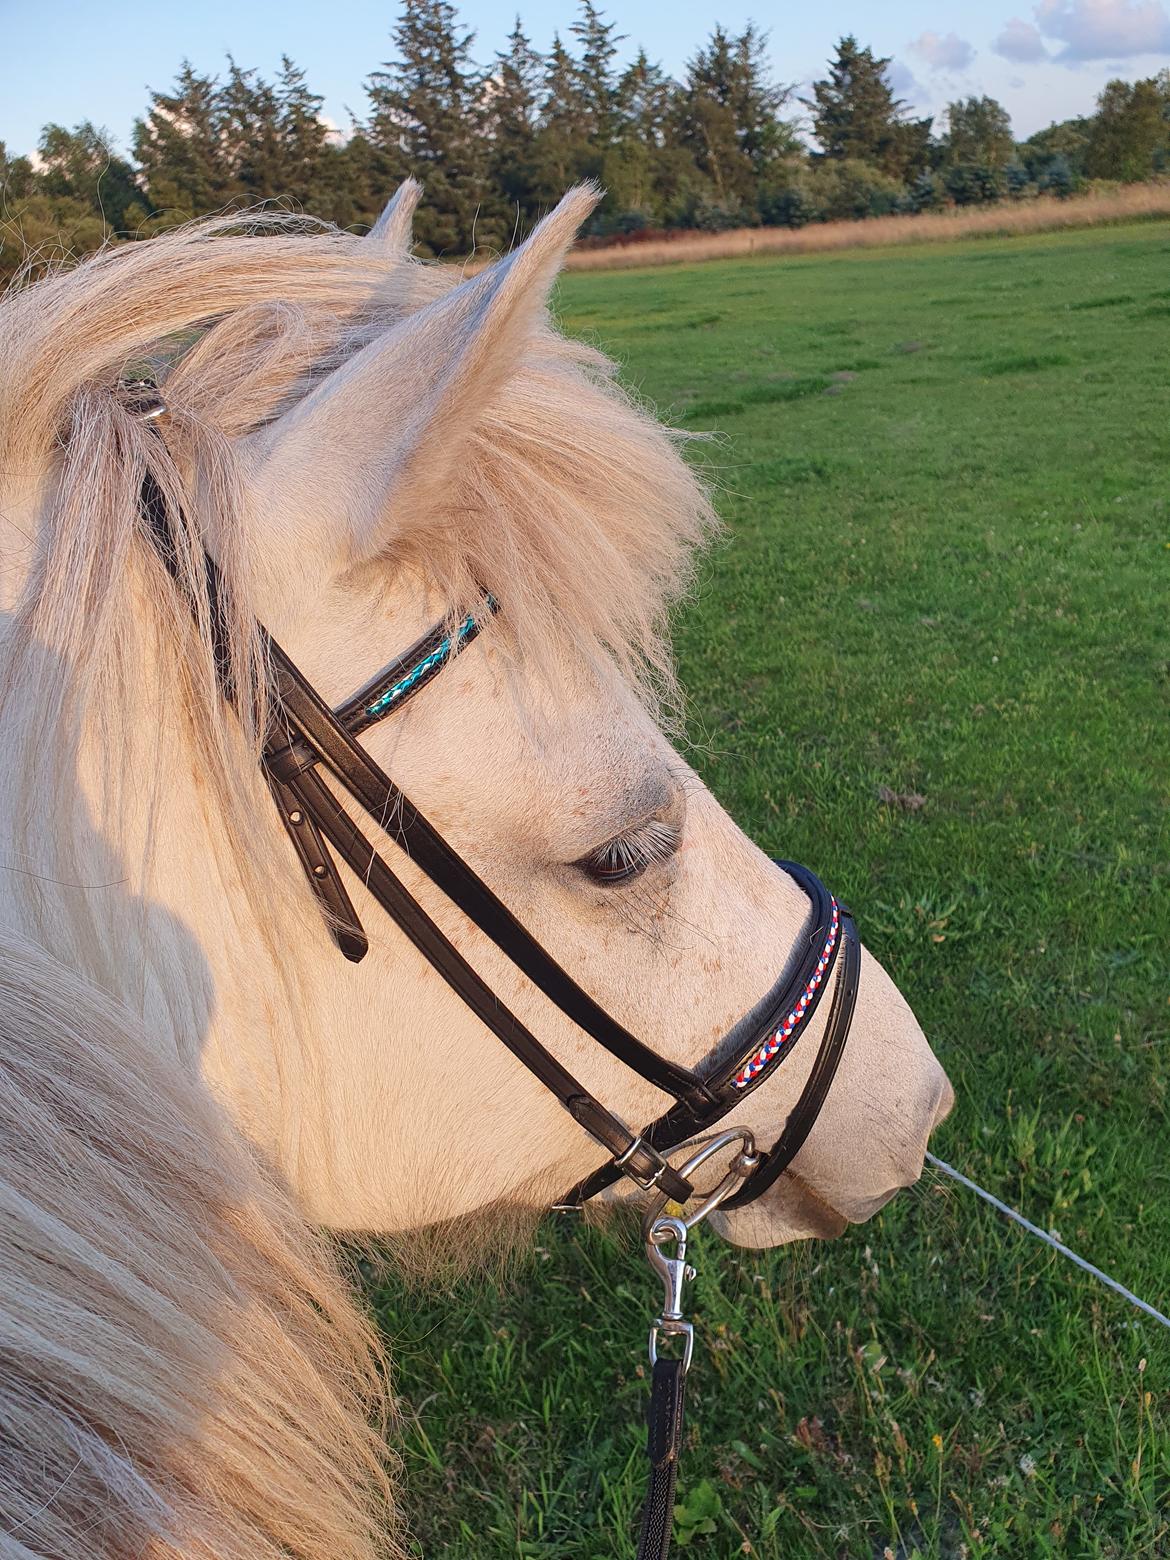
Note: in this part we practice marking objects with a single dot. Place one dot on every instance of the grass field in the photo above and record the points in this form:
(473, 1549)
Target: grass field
(946, 479)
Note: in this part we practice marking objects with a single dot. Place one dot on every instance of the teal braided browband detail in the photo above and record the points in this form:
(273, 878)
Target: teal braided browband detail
(412, 670)
(448, 646)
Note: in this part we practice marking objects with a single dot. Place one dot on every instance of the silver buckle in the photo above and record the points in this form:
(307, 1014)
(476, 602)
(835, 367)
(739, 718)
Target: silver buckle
(623, 1159)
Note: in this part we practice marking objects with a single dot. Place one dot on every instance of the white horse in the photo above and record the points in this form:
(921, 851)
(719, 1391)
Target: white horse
(191, 1080)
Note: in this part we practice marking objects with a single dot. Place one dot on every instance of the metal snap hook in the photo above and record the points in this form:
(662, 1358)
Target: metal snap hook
(675, 1272)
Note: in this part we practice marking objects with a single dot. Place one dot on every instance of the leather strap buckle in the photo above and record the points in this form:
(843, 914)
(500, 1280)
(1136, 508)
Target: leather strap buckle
(286, 763)
(642, 1162)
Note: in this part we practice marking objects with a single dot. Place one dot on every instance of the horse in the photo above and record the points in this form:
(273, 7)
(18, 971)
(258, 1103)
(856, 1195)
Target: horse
(196, 1094)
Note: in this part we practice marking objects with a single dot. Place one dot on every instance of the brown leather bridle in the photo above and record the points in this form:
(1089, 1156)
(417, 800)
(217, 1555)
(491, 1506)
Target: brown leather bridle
(307, 740)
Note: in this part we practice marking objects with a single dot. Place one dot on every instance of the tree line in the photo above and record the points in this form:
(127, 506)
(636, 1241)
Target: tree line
(497, 143)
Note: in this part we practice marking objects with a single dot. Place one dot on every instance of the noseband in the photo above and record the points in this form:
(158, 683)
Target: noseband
(308, 741)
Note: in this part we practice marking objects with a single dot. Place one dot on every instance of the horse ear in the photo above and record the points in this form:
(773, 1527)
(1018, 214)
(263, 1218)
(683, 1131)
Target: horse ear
(381, 437)
(391, 232)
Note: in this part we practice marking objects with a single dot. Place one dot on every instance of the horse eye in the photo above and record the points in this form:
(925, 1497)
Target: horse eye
(629, 855)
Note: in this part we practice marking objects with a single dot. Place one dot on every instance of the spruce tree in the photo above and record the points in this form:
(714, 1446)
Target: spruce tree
(596, 84)
(428, 119)
(856, 115)
(250, 137)
(561, 138)
(706, 123)
(179, 148)
(513, 106)
(728, 117)
(643, 169)
(301, 135)
(757, 102)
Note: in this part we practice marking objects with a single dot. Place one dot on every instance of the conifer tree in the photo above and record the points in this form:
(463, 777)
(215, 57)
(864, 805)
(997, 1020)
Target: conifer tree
(643, 170)
(250, 136)
(493, 148)
(728, 116)
(428, 118)
(561, 137)
(596, 85)
(757, 101)
(857, 116)
(178, 146)
(513, 107)
(301, 134)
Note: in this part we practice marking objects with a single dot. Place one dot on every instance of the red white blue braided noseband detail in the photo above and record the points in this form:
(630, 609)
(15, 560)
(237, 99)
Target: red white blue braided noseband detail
(775, 1043)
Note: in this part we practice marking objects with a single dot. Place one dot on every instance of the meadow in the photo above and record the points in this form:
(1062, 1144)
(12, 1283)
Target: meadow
(932, 659)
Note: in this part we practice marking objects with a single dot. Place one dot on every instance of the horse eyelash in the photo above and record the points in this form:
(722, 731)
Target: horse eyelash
(629, 855)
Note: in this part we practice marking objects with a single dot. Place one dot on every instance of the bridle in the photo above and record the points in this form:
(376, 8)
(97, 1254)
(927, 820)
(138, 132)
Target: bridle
(308, 740)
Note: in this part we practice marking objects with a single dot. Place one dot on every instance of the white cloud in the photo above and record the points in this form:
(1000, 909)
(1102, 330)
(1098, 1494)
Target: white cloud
(944, 53)
(1105, 29)
(1020, 42)
(905, 83)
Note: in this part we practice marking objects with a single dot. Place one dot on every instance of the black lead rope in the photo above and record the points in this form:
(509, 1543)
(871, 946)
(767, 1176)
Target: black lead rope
(664, 1418)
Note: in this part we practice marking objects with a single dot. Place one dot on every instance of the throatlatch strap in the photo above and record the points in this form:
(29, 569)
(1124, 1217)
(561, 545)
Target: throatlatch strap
(663, 1442)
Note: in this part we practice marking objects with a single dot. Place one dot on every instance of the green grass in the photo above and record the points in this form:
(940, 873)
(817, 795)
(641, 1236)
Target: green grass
(946, 477)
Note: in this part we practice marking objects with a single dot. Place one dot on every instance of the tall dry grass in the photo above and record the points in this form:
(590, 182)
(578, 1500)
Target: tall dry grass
(1044, 214)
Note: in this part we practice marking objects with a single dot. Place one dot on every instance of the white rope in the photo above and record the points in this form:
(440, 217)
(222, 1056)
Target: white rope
(1050, 1240)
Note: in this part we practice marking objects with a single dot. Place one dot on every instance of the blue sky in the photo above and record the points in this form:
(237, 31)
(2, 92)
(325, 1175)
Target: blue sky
(1044, 59)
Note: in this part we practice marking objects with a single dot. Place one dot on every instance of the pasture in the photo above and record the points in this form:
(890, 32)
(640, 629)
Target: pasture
(932, 660)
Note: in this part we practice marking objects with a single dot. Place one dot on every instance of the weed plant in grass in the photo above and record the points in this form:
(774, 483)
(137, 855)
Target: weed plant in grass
(932, 660)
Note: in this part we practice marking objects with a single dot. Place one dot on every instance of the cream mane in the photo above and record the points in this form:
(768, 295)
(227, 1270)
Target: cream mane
(182, 1370)
(574, 509)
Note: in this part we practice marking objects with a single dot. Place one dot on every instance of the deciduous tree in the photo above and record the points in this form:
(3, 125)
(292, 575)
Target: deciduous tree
(979, 130)
(1129, 131)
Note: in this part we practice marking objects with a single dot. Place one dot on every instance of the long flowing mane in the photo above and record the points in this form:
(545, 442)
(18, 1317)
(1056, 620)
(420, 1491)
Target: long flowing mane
(182, 1371)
